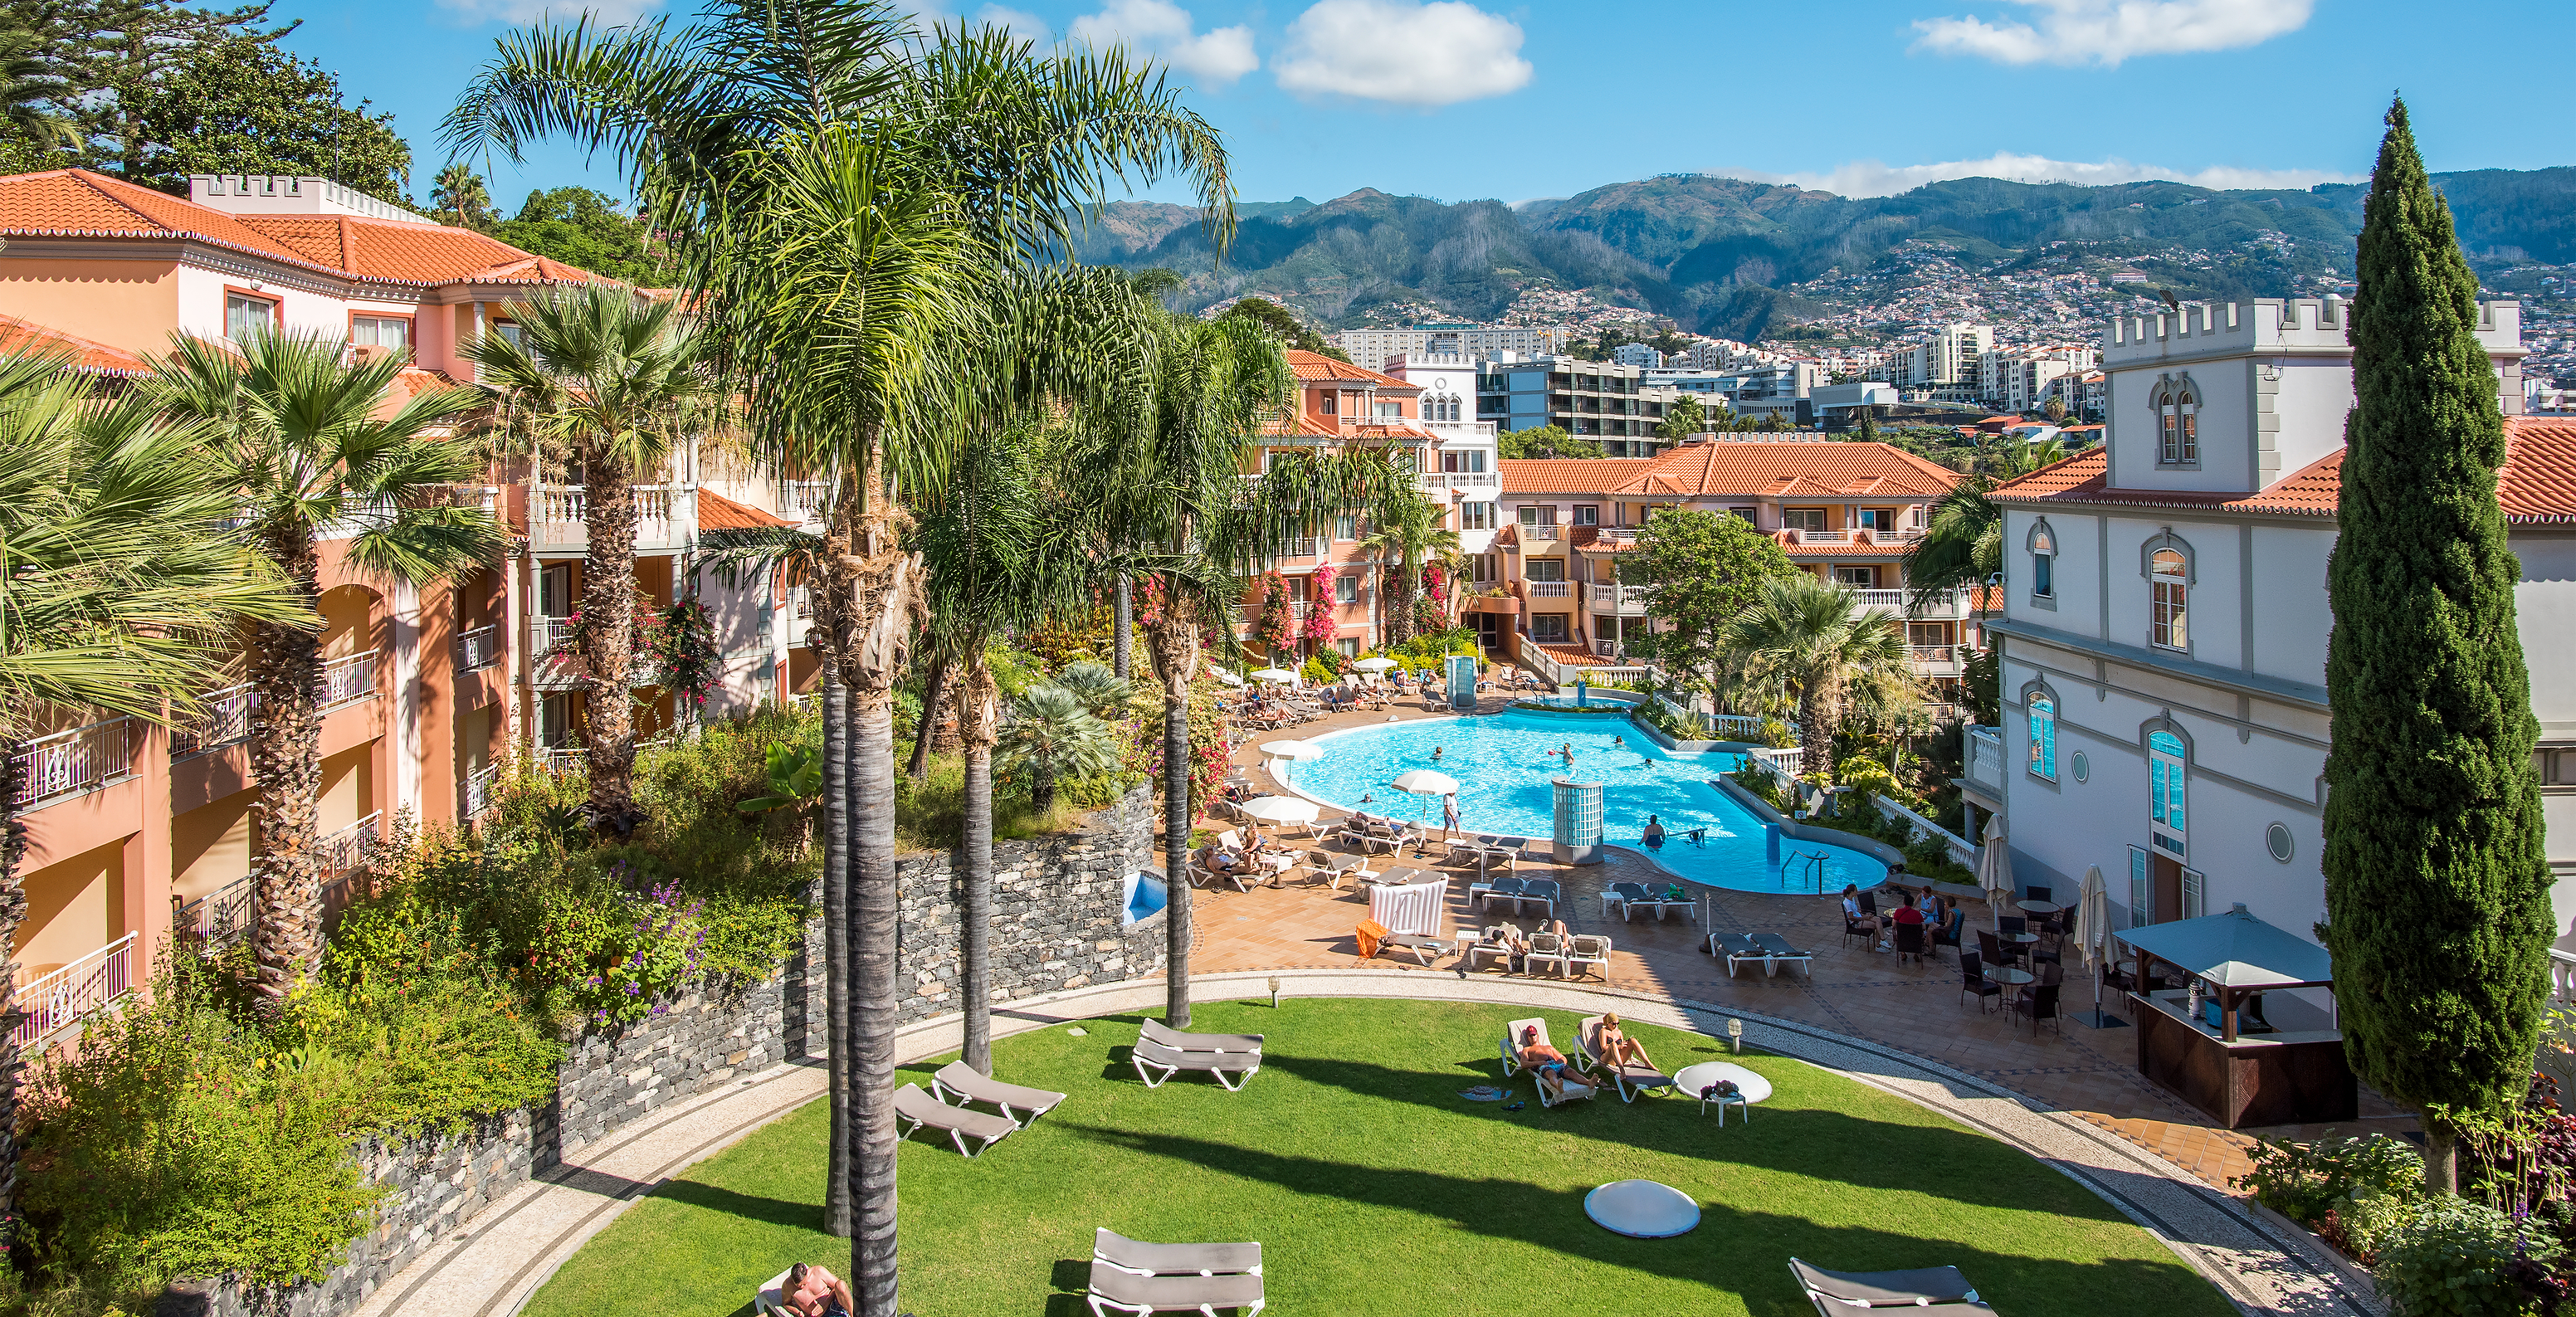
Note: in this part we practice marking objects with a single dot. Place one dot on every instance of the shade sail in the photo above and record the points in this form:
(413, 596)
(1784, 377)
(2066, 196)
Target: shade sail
(2235, 950)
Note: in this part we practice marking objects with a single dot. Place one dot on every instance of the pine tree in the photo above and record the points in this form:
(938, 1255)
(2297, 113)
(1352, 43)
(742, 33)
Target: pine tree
(2436, 882)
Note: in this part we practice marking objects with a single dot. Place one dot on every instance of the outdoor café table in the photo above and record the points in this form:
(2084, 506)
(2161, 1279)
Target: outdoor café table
(1749, 1087)
(2010, 977)
(2040, 907)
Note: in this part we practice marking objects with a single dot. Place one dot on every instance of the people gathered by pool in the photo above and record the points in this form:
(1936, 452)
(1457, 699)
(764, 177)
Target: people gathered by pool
(1854, 915)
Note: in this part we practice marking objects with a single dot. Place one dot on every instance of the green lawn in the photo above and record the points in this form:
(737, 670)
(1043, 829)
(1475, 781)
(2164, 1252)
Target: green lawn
(1374, 1188)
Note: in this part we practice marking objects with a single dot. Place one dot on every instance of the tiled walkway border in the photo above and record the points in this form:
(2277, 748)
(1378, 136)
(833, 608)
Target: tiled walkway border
(491, 1269)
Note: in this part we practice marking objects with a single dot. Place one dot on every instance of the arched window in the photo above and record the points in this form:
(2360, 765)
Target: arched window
(2170, 576)
(2187, 413)
(2178, 423)
(2043, 561)
(2043, 736)
(2168, 761)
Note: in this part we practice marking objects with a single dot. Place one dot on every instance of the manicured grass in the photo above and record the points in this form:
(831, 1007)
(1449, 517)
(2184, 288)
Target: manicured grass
(1374, 1188)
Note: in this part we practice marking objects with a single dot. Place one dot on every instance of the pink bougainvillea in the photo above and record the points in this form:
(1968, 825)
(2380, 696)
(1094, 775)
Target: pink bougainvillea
(1319, 615)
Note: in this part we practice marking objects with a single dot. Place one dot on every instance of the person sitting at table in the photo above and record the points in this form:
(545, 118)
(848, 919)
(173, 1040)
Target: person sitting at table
(1906, 913)
(1654, 833)
(1618, 1049)
(1854, 917)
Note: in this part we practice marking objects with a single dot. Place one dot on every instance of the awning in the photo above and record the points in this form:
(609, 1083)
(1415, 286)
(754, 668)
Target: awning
(2235, 950)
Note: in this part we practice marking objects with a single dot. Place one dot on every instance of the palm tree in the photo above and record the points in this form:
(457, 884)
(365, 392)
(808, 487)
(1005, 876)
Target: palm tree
(460, 192)
(1102, 691)
(311, 461)
(117, 594)
(1406, 532)
(31, 86)
(614, 382)
(1813, 641)
(1962, 545)
(822, 176)
(1055, 735)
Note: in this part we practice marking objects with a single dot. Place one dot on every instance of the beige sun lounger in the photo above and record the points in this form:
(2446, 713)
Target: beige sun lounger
(1124, 1291)
(1157, 1031)
(967, 1084)
(920, 1108)
(1631, 1079)
(1574, 1090)
(1150, 1055)
(1145, 1259)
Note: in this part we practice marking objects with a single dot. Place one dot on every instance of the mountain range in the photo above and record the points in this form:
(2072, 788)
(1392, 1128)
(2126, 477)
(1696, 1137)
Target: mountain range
(1724, 256)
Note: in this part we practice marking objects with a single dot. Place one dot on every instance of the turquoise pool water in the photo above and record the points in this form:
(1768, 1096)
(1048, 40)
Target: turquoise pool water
(1503, 768)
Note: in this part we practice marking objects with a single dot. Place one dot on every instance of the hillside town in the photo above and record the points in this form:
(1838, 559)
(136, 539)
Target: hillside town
(821, 739)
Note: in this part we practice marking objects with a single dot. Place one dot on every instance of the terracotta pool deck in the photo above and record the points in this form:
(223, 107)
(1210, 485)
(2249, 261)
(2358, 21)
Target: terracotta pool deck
(1853, 990)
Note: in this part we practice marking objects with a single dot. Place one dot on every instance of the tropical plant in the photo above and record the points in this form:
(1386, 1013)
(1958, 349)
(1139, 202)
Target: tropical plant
(1054, 735)
(795, 779)
(1407, 529)
(1814, 642)
(459, 191)
(118, 593)
(1103, 692)
(30, 86)
(830, 185)
(612, 383)
(313, 460)
(1696, 571)
(2437, 888)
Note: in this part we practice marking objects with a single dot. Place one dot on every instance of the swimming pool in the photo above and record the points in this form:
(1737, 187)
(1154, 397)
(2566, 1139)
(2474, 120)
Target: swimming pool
(1503, 768)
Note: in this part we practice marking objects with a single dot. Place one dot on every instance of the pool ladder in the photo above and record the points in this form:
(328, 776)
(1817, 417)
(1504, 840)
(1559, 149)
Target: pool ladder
(1806, 862)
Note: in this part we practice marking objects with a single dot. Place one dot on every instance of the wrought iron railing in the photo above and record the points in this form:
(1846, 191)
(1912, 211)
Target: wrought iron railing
(220, 917)
(227, 722)
(349, 847)
(54, 1002)
(478, 649)
(68, 763)
(349, 680)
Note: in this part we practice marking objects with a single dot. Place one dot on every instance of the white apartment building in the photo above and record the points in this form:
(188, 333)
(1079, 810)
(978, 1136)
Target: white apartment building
(2018, 379)
(1946, 360)
(1373, 348)
(2165, 618)
(1638, 354)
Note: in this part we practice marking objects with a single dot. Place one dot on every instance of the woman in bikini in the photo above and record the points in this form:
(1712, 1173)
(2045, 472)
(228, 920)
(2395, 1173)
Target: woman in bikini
(1618, 1049)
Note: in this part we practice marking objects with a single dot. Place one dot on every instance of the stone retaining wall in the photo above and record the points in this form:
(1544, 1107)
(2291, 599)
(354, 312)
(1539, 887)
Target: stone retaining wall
(1057, 905)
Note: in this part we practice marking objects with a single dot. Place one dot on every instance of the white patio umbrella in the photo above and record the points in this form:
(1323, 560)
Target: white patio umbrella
(2093, 939)
(1276, 674)
(1280, 809)
(1228, 678)
(1994, 868)
(1424, 782)
(1299, 751)
(1374, 664)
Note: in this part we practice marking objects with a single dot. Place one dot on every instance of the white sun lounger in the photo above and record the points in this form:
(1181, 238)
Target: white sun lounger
(1145, 1259)
(958, 1083)
(1157, 1031)
(961, 1124)
(1150, 1055)
(1113, 1290)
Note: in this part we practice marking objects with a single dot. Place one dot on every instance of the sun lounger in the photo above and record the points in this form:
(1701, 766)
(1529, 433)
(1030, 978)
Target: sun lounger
(1626, 896)
(1486, 952)
(1375, 937)
(1587, 949)
(1545, 949)
(958, 1083)
(1113, 1290)
(1500, 889)
(1143, 1259)
(1545, 891)
(1918, 1292)
(960, 1123)
(1156, 1031)
(1632, 1079)
(1513, 1046)
(772, 1298)
(1779, 949)
(1737, 949)
(1150, 1056)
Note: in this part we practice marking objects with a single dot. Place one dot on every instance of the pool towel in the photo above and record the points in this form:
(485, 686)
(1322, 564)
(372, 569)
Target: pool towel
(1486, 1093)
(1414, 908)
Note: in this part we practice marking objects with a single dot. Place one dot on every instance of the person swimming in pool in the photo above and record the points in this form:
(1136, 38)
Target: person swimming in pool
(1619, 741)
(1437, 751)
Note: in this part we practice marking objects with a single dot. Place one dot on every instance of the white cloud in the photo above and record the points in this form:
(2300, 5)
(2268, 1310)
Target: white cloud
(1164, 30)
(529, 11)
(1871, 178)
(2106, 32)
(1022, 24)
(1409, 53)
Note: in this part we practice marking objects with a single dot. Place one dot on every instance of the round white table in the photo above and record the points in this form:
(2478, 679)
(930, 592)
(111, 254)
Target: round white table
(1641, 1209)
(1750, 1087)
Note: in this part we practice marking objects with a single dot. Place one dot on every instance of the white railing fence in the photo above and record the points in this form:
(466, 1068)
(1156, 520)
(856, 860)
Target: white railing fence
(1984, 753)
(553, 633)
(1537, 532)
(220, 917)
(480, 786)
(1920, 827)
(348, 680)
(227, 723)
(1934, 655)
(64, 997)
(2562, 975)
(70, 762)
(806, 499)
(349, 847)
(561, 759)
(1550, 589)
(478, 649)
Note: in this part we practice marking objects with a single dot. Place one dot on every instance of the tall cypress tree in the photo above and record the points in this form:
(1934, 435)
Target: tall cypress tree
(2436, 879)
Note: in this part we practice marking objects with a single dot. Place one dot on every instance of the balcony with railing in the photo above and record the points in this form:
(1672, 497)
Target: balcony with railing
(478, 649)
(553, 634)
(1941, 603)
(806, 500)
(1935, 659)
(1611, 539)
(1549, 589)
(479, 788)
(73, 762)
(1303, 547)
(227, 722)
(561, 759)
(52, 1003)
(349, 847)
(666, 517)
(1622, 600)
(348, 680)
(1473, 482)
(1539, 531)
(1985, 760)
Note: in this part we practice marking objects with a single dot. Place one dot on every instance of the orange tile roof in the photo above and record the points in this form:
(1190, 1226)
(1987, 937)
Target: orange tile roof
(716, 512)
(86, 355)
(1570, 475)
(79, 203)
(1800, 468)
(1572, 654)
(2536, 486)
(1316, 366)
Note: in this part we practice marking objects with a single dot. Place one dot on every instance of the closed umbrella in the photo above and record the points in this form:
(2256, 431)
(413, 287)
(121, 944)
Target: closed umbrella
(1229, 678)
(2093, 939)
(1994, 867)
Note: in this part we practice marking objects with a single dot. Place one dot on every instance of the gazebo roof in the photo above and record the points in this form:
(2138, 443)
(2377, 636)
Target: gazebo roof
(2235, 950)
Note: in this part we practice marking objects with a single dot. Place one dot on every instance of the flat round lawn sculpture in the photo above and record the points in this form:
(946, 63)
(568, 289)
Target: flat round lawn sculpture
(1641, 1209)
(1690, 1079)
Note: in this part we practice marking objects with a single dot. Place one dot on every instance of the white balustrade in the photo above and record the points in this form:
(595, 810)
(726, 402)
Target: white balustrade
(1550, 589)
(553, 633)
(58, 1000)
(479, 788)
(1530, 531)
(1985, 759)
(2562, 976)
(70, 762)
(348, 680)
(478, 649)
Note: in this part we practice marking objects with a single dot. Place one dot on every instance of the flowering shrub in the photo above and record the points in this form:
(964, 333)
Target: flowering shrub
(682, 644)
(1319, 618)
(1211, 749)
(613, 958)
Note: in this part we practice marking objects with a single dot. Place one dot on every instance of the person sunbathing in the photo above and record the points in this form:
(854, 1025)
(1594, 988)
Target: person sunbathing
(814, 1292)
(1618, 1049)
(1546, 1066)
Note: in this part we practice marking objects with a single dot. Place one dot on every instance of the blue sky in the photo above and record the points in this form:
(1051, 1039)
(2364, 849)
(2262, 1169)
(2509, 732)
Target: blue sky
(1455, 100)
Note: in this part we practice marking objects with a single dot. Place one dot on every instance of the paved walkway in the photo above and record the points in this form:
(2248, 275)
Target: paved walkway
(1854, 991)
(492, 1269)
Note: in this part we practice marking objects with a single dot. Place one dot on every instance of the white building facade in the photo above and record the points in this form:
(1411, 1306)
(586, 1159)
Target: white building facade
(2165, 618)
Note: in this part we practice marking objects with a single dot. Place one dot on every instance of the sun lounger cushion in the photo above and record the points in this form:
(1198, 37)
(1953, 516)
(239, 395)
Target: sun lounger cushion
(1174, 1259)
(959, 1123)
(1157, 1031)
(971, 1085)
(1883, 1288)
(1128, 1292)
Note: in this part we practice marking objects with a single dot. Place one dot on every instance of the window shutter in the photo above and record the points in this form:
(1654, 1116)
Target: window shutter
(2141, 889)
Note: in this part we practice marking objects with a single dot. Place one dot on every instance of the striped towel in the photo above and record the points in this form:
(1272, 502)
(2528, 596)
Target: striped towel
(1415, 908)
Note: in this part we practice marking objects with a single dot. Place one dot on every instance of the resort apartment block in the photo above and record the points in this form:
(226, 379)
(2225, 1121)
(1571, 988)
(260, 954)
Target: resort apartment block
(1611, 404)
(2165, 618)
(1549, 592)
(1375, 348)
(135, 831)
